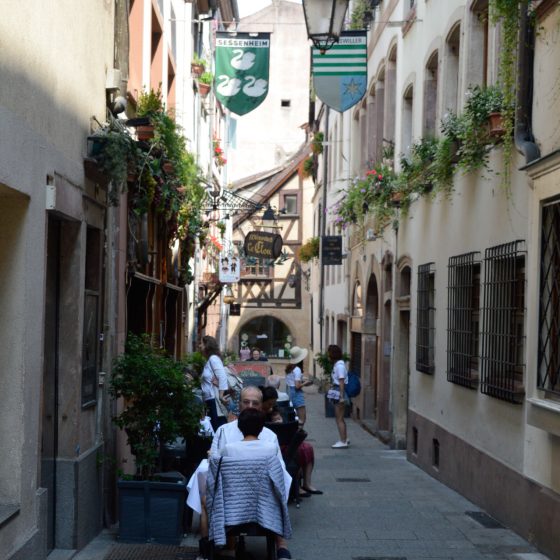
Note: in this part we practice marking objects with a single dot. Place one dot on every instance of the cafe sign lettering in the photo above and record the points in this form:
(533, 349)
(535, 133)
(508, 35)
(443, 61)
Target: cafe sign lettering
(263, 245)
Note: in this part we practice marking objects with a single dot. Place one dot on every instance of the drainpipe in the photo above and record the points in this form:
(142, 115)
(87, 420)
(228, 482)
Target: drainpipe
(323, 223)
(524, 140)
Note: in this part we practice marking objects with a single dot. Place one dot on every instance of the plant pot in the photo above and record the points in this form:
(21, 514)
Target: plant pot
(151, 511)
(167, 167)
(454, 151)
(145, 132)
(203, 89)
(396, 199)
(95, 145)
(197, 69)
(496, 122)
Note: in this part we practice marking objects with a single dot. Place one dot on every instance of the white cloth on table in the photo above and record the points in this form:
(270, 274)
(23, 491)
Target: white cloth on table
(195, 485)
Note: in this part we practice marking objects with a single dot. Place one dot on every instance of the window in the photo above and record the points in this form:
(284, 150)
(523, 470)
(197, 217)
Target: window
(407, 108)
(255, 267)
(477, 70)
(425, 326)
(451, 70)
(91, 314)
(549, 317)
(285, 103)
(291, 204)
(268, 334)
(463, 315)
(503, 338)
(430, 95)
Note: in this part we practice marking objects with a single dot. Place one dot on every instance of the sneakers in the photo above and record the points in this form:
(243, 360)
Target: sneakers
(340, 445)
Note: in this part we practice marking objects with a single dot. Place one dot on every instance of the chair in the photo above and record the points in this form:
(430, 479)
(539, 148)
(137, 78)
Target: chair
(290, 437)
(246, 498)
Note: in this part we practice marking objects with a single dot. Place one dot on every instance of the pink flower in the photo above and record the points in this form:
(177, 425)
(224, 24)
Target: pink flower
(380, 176)
(371, 172)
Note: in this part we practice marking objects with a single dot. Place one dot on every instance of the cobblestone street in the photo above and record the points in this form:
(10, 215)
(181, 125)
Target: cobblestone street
(376, 505)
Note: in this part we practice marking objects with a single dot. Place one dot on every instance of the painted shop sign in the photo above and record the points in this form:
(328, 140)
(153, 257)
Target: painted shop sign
(331, 249)
(263, 245)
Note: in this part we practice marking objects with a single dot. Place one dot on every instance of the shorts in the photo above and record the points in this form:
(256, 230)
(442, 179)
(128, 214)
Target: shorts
(296, 396)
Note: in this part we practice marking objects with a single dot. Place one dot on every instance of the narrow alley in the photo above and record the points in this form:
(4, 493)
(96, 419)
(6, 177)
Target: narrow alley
(376, 505)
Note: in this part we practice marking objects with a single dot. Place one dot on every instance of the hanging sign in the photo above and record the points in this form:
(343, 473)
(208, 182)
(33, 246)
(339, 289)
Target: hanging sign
(340, 75)
(263, 245)
(331, 249)
(242, 62)
(229, 268)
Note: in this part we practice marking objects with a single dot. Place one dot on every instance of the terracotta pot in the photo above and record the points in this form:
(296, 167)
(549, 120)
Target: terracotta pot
(197, 69)
(167, 167)
(145, 132)
(496, 124)
(203, 89)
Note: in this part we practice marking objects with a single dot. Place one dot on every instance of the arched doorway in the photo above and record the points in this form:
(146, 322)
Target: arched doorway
(369, 343)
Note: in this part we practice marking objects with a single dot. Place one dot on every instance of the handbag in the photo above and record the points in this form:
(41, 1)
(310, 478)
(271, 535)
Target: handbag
(333, 394)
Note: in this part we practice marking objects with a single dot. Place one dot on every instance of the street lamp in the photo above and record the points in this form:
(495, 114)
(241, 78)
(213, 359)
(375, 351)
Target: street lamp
(269, 220)
(324, 20)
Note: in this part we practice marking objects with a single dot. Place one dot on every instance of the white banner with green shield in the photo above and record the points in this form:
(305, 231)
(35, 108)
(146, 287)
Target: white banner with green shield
(340, 75)
(242, 62)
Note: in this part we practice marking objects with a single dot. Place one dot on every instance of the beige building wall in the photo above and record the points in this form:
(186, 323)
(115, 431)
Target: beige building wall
(269, 135)
(53, 83)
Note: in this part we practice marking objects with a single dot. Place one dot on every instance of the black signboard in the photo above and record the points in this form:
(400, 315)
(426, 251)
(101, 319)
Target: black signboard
(331, 249)
(235, 309)
(263, 245)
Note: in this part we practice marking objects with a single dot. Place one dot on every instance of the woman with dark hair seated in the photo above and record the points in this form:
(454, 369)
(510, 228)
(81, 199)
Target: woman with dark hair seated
(305, 456)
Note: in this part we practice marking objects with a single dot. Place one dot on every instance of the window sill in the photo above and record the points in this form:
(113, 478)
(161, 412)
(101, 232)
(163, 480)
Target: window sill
(8, 512)
(544, 414)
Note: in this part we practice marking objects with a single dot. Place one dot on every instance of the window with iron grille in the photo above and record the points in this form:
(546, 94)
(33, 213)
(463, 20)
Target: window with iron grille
(549, 306)
(463, 312)
(256, 267)
(503, 336)
(425, 324)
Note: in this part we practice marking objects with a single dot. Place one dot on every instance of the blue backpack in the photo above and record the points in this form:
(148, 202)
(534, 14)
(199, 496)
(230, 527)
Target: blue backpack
(353, 385)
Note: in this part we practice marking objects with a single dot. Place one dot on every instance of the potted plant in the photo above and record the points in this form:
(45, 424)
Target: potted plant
(198, 65)
(495, 106)
(159, 405)
(204, 83)
(149, 105)
(308, 167)
(309, 250)
(317, 143)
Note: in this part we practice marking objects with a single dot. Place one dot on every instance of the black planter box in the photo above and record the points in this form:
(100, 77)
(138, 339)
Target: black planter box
(151, 511)
(329, 409)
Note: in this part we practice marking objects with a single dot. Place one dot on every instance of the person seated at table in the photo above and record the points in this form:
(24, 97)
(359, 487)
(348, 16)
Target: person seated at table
(305, 456)
(250, 423)
(256, 356)
(251, 397)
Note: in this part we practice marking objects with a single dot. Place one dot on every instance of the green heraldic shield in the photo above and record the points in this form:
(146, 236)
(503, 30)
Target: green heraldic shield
(242, 61)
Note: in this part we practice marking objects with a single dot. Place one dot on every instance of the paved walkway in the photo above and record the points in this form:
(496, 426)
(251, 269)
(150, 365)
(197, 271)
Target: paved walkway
(376, 506)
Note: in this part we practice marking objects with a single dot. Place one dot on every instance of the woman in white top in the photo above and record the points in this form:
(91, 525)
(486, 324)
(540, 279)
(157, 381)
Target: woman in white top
(214, 382)
(339, 378)
(295, 381)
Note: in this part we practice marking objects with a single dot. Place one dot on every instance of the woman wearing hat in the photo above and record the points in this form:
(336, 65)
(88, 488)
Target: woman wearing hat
(295, 382)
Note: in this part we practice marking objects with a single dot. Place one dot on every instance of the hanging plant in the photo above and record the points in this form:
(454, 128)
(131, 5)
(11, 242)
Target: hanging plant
(507, 12)
(308, 167)
(317, 143)
(309, 250)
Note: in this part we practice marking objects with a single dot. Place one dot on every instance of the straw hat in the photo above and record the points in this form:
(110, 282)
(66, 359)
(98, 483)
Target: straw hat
(297, 354)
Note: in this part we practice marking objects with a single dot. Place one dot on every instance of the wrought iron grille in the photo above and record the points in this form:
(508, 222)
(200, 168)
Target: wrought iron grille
(463, 311)
(549, 316)
(503, 337)
(425, 324)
